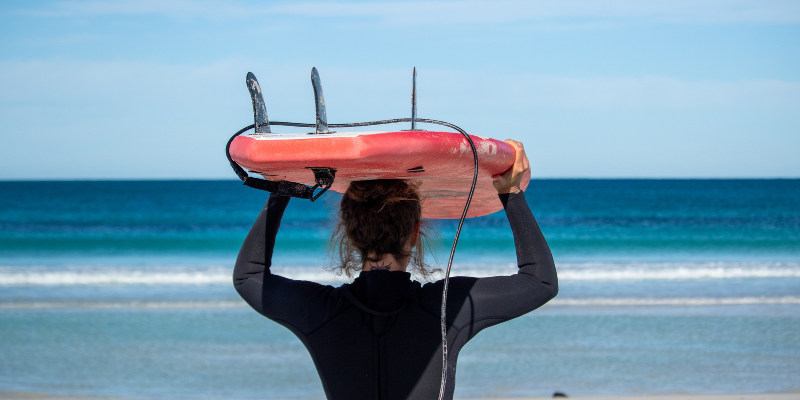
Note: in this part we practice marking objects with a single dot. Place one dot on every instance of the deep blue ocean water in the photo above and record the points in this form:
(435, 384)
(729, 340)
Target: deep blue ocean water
(123, 289)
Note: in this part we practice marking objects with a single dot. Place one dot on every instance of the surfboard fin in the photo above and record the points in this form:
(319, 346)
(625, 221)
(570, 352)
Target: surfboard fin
(259, 109)
(319, 99)
(414, 100)
(323, 176)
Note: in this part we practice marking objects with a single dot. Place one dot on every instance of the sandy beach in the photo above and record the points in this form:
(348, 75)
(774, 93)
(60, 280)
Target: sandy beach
(762, 396)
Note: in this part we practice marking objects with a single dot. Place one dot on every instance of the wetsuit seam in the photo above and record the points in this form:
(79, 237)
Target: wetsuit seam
(288, 323)
(504, 318)
(332, 317)
(422, 304)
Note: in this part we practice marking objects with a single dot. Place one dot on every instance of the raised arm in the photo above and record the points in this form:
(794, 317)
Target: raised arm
(475, 303)
(255, 256)
(300, 305)
(533, 253)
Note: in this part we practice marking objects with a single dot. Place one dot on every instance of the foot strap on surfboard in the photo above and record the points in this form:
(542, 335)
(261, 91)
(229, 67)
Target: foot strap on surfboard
(323, 177)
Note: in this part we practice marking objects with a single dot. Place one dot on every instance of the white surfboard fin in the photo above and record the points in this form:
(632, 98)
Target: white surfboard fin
(259, 109)
(319, 99)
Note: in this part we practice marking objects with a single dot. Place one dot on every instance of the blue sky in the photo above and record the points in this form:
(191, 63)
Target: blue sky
(153, 89)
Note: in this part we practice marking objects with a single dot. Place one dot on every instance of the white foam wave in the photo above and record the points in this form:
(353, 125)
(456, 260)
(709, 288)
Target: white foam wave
(653, 271)
(182, 276)
(584, 302)
(677, 273)
(168, 276)
(112, 278)
(677, 301)
(129, 304)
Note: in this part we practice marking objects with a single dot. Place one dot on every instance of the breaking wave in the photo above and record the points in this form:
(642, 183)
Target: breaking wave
(677, 301)
(583, 302)
(656, 271)
(122, 304)
(99, 276)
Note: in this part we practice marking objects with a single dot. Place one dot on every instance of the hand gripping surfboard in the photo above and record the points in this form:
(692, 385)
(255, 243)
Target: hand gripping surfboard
(440, 162)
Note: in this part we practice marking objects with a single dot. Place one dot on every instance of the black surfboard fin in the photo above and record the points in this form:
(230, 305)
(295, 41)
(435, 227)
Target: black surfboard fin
(414, 100)
(259, 109)
(319, 99)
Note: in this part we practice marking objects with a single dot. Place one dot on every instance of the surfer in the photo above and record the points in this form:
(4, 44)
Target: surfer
(379, 336)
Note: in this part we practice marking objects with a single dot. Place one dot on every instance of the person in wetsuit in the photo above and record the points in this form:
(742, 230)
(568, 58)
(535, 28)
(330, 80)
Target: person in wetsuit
(379, 337)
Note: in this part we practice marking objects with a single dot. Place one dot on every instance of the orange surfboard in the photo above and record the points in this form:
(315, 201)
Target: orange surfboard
(442, 163)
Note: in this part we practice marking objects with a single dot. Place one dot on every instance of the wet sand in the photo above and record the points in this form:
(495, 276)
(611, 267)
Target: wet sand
(680, 396)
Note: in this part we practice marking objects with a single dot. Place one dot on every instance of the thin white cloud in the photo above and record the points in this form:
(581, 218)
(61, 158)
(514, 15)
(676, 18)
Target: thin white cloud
(47, 82)
(656, 92)
(124, 7)
(139, 119)
(569, 12)
(521, 91)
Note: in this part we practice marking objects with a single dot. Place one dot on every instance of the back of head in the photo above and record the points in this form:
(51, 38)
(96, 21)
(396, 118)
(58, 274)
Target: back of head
(376, 218)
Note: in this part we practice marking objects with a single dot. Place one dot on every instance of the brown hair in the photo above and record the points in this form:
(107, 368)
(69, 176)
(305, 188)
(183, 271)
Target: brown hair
(378, 217)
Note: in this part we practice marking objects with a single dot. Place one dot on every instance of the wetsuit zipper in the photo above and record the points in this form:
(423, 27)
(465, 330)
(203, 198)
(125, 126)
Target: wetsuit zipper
(380, 375)
(377, 349)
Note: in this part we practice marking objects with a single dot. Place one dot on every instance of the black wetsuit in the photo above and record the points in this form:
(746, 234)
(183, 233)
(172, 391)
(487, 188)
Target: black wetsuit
(380, 337)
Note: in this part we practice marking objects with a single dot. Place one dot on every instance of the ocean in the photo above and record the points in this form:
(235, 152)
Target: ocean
(123, 288)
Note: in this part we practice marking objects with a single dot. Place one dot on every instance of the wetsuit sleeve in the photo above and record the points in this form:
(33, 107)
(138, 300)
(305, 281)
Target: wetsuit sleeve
(476, 303)
(300, 305)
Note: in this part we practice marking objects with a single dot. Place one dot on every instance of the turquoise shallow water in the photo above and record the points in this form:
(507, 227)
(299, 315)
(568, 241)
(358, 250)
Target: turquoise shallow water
(234, 353)
(583, 220)
(123, 289)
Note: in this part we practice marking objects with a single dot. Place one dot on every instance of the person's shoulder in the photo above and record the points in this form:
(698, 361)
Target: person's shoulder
(456, 283)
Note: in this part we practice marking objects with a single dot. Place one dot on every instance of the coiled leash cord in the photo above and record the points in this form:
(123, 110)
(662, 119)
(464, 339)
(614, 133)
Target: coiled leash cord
(240, 171)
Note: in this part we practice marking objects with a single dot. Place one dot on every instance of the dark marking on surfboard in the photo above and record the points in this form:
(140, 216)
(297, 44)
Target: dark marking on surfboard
(437, 194)
(319, 99)
(259, 109)
(415, 169)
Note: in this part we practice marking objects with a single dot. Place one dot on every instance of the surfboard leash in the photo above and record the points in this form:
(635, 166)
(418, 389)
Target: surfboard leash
(304, 191)
(324, 177)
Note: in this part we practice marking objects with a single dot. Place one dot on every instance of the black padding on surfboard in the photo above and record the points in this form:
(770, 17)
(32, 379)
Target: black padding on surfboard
(323, 176)
(284, 188)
